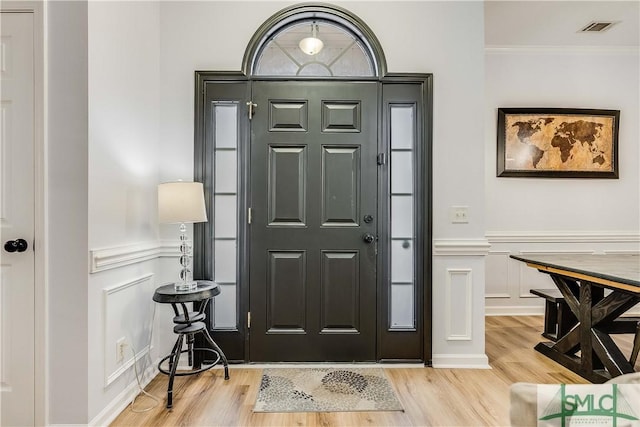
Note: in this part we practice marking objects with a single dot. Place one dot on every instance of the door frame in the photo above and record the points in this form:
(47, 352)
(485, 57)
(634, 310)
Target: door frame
(38, 9)
(235, 342)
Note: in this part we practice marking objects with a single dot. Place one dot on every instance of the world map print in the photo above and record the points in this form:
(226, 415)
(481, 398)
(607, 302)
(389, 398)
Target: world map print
(558, 142)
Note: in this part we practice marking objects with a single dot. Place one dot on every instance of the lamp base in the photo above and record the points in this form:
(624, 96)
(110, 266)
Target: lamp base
(185, 286)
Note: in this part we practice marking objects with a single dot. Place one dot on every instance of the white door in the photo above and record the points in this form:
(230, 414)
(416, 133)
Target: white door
(17, 220)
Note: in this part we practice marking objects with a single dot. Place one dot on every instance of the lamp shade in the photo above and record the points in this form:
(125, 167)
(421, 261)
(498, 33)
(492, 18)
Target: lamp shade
(181, 202)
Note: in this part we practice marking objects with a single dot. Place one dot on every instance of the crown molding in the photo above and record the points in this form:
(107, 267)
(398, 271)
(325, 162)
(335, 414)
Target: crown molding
(563, 50)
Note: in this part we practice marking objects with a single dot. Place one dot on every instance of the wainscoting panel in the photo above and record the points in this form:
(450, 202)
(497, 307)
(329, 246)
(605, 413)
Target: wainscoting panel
(509, 281)
(497, 267)
(458, 304)
(126, 323)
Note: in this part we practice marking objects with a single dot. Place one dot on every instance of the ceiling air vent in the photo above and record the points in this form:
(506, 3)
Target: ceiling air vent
(597, 27)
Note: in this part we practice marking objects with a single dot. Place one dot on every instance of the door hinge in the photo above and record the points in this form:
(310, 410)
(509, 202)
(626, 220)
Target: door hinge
(382, 159)
(248, 320)
(252, 108)
(249, 215)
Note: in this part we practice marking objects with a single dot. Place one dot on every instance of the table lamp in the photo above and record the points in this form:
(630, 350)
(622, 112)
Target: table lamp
(182, 203)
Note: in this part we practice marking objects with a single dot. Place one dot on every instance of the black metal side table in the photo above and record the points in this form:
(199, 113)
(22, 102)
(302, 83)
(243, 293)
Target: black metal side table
(188, 323)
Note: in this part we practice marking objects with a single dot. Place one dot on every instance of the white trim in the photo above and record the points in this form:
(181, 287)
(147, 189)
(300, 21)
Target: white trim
(460, 361)
(117, 405)
(562, 237)
(513, 310)
(118, 256)
(459, 247)
(498, 295)
(557, 252)
(562, 50)
(621, 251)
(467, 310)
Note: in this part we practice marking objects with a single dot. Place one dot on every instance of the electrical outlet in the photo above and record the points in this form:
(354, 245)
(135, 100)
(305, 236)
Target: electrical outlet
(121, 344)
(459, 214)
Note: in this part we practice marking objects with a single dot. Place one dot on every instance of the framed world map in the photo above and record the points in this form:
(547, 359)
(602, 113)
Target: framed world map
(557, 143)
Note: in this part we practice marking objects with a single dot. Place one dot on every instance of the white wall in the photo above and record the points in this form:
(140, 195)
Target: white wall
(124, 141)
(443, 38)
(66, 212)
(558, 215)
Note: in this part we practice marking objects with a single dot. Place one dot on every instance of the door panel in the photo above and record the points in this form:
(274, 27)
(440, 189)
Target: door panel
(313, 179)
(287, 189)
(341, 186)
(286, 290)
(17, 220)
(340, 290)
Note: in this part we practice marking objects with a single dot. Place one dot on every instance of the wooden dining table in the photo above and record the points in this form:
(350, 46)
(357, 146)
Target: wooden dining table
(598, 289)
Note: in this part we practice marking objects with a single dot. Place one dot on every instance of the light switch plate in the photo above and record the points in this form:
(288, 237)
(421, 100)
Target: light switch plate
(459, 214)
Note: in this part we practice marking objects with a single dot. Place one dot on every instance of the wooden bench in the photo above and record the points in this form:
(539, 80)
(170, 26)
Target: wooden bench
(558, 318)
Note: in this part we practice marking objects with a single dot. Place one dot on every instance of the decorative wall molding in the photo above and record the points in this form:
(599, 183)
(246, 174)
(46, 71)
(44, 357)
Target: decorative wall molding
(462, 361)
(562, 50)
(119, 256)
(463, 295)
(622, 251)
(562, 237)
(508, 281)
(116, 325)
(459, 247)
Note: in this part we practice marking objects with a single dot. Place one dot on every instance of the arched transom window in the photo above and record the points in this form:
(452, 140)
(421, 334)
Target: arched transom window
(314, 48)
(314, 41)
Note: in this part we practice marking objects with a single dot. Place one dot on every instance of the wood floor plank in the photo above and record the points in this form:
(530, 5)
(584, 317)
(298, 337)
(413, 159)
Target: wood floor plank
(431, 397)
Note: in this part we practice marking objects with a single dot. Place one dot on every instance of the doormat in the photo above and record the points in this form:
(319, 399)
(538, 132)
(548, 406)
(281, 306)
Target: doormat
(325, 390)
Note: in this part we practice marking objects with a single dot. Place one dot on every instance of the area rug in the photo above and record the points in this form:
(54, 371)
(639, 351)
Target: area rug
(325, 390)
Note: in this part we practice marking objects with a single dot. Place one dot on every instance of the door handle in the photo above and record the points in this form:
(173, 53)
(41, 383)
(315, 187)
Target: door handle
(18, 245)
(368, 238)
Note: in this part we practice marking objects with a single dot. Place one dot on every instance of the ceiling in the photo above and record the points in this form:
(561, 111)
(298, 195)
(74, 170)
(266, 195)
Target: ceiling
(558, 23)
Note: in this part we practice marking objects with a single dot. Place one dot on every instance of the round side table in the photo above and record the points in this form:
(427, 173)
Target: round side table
(187, 324)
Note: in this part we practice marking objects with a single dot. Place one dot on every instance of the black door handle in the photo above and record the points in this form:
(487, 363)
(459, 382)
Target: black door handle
(18, 245)
(368, 238)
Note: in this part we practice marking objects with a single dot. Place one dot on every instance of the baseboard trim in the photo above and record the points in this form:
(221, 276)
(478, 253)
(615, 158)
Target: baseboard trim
(460, 361)
(119, 404)
(513, 311)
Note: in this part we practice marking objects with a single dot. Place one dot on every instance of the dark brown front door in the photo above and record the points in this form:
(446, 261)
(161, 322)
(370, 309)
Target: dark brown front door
(313, 221)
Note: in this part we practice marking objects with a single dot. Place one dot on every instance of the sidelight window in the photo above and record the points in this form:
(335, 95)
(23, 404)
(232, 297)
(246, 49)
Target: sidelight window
(403, 284)
(225, 202)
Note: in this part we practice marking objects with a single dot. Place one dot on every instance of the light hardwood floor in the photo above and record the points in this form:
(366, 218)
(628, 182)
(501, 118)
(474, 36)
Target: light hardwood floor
(431, 397)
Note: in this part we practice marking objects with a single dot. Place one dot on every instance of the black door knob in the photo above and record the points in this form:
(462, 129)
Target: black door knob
(18, 245)
(368, 238)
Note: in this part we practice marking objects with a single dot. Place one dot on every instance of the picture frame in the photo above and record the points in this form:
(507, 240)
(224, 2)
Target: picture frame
(557, 143)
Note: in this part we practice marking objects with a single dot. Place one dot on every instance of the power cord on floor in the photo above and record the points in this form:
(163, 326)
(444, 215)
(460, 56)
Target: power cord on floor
(141, 390)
